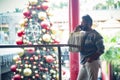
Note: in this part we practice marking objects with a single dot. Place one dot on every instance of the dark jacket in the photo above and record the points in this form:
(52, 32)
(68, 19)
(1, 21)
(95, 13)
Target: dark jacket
(93, 44)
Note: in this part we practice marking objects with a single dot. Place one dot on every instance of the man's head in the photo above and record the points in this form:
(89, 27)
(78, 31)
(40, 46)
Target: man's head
(86, 22)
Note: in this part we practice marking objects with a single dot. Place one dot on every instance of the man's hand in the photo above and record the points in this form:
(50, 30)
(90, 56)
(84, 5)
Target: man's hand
(90, 60)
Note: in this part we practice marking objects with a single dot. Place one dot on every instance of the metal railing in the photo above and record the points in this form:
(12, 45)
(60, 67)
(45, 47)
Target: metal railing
(36, 46)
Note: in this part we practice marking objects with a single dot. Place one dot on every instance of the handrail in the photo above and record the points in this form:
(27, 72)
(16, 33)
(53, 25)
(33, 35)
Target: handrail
(41, 45)
(44, 45)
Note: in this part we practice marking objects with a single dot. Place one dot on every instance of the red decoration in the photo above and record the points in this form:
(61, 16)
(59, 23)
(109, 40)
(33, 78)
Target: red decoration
(19, 41)
(49, 59)
(37, 75)
(31, 59)
(13, 68)
(55, 41)
(45, 6)
(17, 77)
(27, 13)
(20, 33)
(45, 25)
(30, 50)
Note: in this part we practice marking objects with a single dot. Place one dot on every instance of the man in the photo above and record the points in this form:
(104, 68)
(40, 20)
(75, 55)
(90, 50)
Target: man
(91, 50)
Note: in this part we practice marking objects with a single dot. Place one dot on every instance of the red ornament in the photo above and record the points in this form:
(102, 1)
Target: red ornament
(30, 50)
(55, 41)
(13, 68)
(41, 68)
(37, 75)
(27, 13)
(19, 41)
(20, 33)
(49, 59)
(31, 59)
(45, 6)
(17, 77)
(45, 25)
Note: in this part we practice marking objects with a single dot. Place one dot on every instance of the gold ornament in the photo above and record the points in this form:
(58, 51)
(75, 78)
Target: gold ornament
(42, 15)
(54, 30)
(22, 23)
(27, 71)
(33, 2)
(16, 58)
(26, 65)
(21, 52)
(46, 37)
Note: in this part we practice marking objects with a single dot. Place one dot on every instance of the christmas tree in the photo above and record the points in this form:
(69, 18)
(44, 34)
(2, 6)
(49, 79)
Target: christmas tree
(39, 63)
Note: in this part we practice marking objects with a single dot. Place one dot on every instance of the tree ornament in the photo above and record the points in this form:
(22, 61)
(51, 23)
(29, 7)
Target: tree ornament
(36, 71)
(27, 72)
(19, 70)
(46, 37)
(44, 6)
(34, 67)
(49, 59)
(50, 13)
(55, 41)
(22, 23)
(16, 58)
(54, 30)
(33, 32)
(17, 77)
(33, 77)
(21, 52)
(42, 15)
(27, 13)
(31, 59)
(19, 41)
(30, 50)
(26, 65)
(29, 65)
(37, 51)
(45, 25)
(46, 69)
(36, 57)
(33, 13)
(44, 76)
(37, 75)
(13, 68)
(33, 2)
